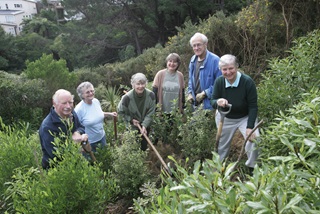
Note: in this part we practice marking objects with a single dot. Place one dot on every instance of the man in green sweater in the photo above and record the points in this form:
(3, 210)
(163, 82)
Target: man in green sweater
(137, 107)
(239, 90)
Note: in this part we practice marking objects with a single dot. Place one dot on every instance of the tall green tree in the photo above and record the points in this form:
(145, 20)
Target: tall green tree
(9, 60)
(54, 72)
(41, 26)
(31, 47)
(109, 27)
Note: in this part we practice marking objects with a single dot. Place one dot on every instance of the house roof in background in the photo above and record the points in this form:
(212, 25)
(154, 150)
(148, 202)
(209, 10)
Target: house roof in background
(10, 12)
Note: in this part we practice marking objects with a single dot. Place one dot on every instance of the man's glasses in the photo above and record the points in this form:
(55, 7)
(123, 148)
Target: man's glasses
(197, 45)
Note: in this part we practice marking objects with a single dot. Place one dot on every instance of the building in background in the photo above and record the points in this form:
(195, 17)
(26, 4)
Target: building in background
(13, 12)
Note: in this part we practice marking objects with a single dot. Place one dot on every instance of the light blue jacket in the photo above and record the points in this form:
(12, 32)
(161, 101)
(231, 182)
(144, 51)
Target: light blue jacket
(209, 72)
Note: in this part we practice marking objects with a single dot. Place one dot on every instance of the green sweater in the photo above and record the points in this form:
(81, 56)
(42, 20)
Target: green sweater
(140, 108)
(243, 98)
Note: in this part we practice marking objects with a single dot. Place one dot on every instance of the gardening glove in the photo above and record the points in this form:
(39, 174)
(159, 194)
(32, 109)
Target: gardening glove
(200, 96)
(190, 99)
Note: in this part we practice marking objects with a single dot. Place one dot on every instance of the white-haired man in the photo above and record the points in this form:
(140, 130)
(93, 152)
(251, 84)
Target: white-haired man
(60, 122)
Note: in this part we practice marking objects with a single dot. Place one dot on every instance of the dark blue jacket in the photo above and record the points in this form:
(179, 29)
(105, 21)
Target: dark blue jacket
(52, 127)
(209, 72)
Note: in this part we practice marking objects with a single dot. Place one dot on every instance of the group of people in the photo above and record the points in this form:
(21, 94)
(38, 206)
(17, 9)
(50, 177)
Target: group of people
(213, 82)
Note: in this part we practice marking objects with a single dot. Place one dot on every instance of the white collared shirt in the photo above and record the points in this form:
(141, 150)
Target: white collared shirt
(236, 82)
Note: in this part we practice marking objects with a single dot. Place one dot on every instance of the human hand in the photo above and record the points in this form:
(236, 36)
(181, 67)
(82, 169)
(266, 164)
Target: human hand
(135, 122)
(190, 98)
(113, 114)
(252, 136)
(143, 130)
(200, 96)
(222, 102)
(84, 137)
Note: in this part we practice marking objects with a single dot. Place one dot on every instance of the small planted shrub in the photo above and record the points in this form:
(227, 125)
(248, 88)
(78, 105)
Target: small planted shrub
(72, 186)
(197, 136)
(129, 165)
(18, 149)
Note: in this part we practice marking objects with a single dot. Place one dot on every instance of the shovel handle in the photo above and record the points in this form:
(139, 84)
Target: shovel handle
(229, 106)
(115, 119)
(222, 115)
(84, 144)
(155, 150)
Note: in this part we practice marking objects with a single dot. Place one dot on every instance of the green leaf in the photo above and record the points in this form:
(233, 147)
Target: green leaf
(303, 123)
(297, 210)
(257, 205)
(292, 202)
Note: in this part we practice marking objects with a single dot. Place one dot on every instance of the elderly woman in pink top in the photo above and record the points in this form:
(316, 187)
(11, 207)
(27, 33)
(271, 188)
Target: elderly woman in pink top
(168, 85)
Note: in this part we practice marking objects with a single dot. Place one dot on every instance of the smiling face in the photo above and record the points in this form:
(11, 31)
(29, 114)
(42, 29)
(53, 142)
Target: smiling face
(228, 65)
(139, 87)
(199, 47)
(229, 72)
(172, 65)
(88, 94)
(63, 104)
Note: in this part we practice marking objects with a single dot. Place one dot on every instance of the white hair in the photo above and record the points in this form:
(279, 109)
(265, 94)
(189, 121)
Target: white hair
(83, 85)
(58, 93)
(228, 59)
(138, 77)
(203, 37)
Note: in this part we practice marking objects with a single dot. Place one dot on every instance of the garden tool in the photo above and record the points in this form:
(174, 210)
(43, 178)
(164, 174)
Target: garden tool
(87, 148)
(244, 145)
(115, 119)
(157, 153)
(246, 140)
(222, 114)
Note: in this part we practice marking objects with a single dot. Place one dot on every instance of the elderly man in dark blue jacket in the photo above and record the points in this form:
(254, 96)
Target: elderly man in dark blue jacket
(60, 122)
(203, 71)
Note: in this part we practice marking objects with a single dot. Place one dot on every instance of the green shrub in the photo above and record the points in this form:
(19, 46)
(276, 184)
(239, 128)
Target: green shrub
(197, 135)
(129, 165)
(72, 186)
(18, 149)
(54, 73)
(286, 182)
(24, 99)
(289, 78)
(207, 189)
(166, 128)
(296, 133)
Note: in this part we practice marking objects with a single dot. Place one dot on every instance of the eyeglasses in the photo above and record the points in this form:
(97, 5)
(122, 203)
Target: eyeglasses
(90, 91)
(197, 45)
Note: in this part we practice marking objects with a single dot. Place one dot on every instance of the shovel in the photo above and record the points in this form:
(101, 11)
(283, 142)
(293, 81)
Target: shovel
(87, 148)
(222, 114)
(157, 153)
(115, 119)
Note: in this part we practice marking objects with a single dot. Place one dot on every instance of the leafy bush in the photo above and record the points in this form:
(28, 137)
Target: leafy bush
(196, 137)
(23, 100)
(129, 167)
(72, 186)
(54, 73)
(286, 182)
(166, 127)
(296, 133)
(289, 78)
(18, 149)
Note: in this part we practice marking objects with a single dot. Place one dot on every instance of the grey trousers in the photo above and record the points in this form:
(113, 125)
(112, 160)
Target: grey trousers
(229, 128)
